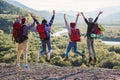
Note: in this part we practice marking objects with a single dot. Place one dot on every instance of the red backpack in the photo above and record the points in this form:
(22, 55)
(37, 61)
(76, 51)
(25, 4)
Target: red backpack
(75, 35)
(17, 31)
(98, 30)
(42, 32)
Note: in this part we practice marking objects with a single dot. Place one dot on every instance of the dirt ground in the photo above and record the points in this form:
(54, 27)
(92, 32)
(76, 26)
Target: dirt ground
(40, 71)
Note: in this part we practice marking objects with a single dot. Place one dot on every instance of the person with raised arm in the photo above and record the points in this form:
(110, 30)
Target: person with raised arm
(44, 33)
(74, 37)
(90, 41)
(20, 35)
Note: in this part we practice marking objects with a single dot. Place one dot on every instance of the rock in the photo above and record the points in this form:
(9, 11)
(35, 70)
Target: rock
(40, 71)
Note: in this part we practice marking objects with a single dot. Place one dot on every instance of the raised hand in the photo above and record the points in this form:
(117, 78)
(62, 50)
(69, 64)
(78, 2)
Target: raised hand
(53, 12)
(81, 13)
(32, 15)
(64, 16)
(100, 12)
(78, 14)
(20, 17)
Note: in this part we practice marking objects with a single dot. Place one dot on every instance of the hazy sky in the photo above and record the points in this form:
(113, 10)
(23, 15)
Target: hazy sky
(76, 5)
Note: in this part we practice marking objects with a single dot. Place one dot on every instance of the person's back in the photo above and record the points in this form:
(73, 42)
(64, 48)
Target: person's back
(90, 23)
(22, 45)
(44, 33)
(74, 36)
(90, 41)
(90, 27)
(17, 31)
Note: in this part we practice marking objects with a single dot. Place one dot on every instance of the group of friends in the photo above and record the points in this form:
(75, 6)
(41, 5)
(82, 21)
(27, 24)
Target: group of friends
(43, 28)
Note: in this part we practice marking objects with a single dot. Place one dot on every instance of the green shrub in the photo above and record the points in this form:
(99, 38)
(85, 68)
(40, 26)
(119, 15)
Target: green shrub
(110, 64)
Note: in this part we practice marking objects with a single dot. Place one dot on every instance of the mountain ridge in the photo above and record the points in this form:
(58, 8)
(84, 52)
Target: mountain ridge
(104, 18)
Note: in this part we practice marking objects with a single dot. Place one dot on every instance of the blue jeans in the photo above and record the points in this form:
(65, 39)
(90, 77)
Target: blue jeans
(44, 43)
(72, 45)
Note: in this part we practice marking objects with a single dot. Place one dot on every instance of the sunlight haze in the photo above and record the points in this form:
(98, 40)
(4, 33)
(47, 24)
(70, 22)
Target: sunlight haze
(66, 5)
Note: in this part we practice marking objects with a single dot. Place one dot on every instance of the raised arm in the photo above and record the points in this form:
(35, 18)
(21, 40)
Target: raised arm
(20, 18)
(34, 18)
(98, 16)
(52, 19)
(66, 23)
(76, 19)
(31, 25)
(84, 17)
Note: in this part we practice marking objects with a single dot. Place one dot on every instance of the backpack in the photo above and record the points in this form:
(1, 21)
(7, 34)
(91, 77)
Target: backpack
(97, 31)
(42, 32)
(18, 32)
(16, 29)
(75, 35)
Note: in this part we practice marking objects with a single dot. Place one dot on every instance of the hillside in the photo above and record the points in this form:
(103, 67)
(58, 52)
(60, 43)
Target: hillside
(106, 17)
(41, 71)
(8, 13)
(44, 14)
(6, 8)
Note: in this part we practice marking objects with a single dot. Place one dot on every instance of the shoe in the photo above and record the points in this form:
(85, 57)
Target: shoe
(47, 60)
(95, 59)
(66, 59)
(90, 59)
(27, 67)
(37, 57)
(18, 67)
(83, 57)
(83, 51)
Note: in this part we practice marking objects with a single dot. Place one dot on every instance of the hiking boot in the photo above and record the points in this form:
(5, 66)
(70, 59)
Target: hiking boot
(48, 61)
(37, 57)
(18, 67)
(26, 67)
(66, 59)
(83, 51)
(48, 56)
(83, 57)
(95, 59)
(90, 59)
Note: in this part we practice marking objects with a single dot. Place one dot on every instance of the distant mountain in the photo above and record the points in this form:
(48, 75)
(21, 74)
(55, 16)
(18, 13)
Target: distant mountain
(17, 4)
(111, 19)
(6, 8)
(45, 14)
(109, 14)
(8, 14)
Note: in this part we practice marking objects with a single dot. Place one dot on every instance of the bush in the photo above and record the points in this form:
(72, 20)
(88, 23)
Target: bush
(107, 64)
(116, 49)
(111, 64)
(77, 62)
(1, 32)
